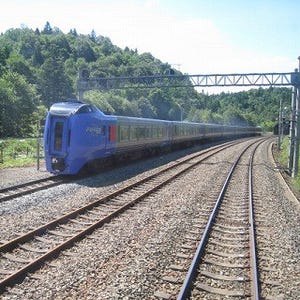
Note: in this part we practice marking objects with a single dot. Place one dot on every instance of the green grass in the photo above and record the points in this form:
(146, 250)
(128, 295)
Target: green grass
(18, 152)
(283, 159)
(20, 162)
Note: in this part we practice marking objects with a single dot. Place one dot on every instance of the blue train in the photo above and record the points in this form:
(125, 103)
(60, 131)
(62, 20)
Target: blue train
(77, 134)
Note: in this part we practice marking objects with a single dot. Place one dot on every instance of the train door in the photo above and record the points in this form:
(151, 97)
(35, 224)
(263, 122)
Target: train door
(59, 138)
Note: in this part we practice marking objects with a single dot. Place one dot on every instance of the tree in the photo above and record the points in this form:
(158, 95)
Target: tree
(73, 32)
(101, 100)
(93, 36)
(46, 63)
(201, 116)
(47, 29)
(233, 116)
(161, 103)
(54, 85)
(83, 49)
(4, 54)
(106, 47)
(16, 63)
(37, 57)
(146, 108)
(27, 43)
(18, 103)
(121, 106)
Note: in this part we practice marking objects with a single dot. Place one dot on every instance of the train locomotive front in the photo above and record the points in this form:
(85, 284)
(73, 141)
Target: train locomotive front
(76, 133)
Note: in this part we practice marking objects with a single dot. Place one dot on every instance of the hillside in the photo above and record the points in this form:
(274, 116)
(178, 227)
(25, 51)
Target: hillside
(40, 67)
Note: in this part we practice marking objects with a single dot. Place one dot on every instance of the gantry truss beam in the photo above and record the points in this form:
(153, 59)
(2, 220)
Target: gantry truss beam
(85, 82)
(252, 79)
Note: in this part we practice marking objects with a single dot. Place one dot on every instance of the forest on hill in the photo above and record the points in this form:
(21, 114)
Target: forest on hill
(40, 67)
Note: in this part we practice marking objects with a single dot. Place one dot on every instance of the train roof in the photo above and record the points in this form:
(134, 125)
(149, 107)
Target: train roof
(141, 120)
(71, 107)
(65, 108)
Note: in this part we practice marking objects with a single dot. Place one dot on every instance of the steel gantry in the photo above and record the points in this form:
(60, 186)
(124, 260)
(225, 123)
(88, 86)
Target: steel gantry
(86, 82)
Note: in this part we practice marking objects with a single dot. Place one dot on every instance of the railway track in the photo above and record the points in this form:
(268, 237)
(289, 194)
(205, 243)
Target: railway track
(19, 190)
(224, 263)
(30, 251)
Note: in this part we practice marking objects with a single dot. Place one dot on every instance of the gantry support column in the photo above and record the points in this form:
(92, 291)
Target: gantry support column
(297, 131)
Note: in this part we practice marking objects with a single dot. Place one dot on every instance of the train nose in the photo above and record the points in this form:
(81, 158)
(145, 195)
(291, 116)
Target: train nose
(58, 163)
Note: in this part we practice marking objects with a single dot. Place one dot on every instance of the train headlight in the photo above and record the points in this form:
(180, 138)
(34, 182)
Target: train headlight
(58, 163)
(54, 160)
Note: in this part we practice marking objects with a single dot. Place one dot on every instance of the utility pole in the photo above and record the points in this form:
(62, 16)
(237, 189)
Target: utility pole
(38, 145)
(280, 125)
(297, 131)
(292, 128)
(83, 75)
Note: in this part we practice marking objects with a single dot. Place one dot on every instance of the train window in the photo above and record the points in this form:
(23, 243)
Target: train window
(165, 131)
(138, 132)
(147, 132)
(160, 132)
(152, 132)
(118, 133)
(177, 131)
(86, 109)
(155, 132)
(58, 135)
(124, 133)
(143, 132)
(134, 133)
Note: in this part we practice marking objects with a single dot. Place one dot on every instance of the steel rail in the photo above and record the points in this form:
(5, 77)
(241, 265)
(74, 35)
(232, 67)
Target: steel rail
(255, 285)
(192, 272)
(10, 245)
(16, 192)
(35, 264)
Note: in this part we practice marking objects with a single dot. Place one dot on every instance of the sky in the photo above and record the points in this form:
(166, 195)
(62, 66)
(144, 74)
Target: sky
(194, 36)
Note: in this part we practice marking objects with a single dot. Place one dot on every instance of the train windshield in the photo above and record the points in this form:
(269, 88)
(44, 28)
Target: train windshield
(58, 135)
(59, 138)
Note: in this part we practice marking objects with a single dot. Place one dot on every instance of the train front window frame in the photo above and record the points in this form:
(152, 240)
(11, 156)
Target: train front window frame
(58, 135)
(86, 109)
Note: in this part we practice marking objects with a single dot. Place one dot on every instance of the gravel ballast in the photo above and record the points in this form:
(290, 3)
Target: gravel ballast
(126, 258)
